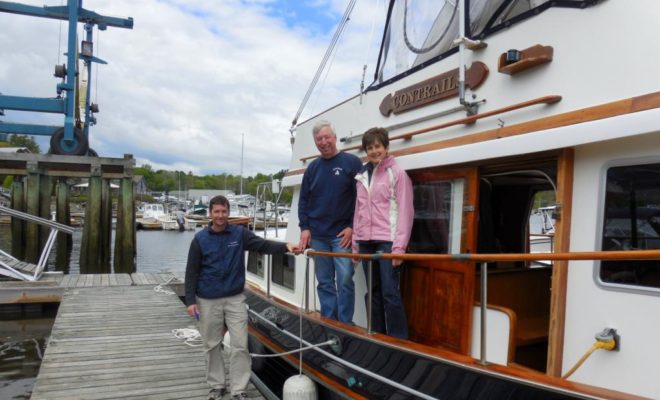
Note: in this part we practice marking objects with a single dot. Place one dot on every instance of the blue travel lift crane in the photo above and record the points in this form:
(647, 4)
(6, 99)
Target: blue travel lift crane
(73, 137)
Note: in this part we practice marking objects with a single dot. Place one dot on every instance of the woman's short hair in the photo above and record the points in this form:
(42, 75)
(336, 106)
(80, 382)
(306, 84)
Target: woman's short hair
(374, 135)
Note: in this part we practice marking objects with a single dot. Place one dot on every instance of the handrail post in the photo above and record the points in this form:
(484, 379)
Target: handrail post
(306, 288)
(369, 295)
(268, 272)
(484, 306)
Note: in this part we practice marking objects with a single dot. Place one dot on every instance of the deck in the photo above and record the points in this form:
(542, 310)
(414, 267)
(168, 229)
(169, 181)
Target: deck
(51, 287)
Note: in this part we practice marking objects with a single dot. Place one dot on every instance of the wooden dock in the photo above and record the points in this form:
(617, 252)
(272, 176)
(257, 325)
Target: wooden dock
(51, 287)
(116, 342)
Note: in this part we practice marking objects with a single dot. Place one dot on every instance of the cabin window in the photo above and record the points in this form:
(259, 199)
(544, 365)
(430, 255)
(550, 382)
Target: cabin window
(632, 222)
(256, 263)
(438, 216)
(283, 272)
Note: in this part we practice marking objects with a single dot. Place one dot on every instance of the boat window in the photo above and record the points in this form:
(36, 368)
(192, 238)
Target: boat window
(256, 263)
(437, 225)
(423, 31)
(283, 270)
(631, 221)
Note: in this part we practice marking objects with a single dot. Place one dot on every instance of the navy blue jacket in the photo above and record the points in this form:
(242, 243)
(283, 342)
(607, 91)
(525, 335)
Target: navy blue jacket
(216, 261)
(327, 195)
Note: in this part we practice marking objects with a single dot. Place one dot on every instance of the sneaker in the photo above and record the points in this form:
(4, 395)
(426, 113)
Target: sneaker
(239, 396)
(216, 394)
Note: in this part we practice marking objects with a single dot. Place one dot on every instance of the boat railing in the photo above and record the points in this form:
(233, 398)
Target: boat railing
(483, 260)
(8, 268)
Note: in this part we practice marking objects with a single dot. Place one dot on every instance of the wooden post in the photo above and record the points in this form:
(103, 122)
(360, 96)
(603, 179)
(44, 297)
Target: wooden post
(106, 225)
(64, 242)
(17, 225)
(124, 260)
(45, 191)
(32, 207)
(90, 247)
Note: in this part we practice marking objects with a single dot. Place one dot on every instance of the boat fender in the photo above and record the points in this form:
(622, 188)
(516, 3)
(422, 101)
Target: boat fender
(299, 387)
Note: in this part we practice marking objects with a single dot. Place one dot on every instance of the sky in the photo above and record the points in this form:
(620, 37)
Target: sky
(194, 78)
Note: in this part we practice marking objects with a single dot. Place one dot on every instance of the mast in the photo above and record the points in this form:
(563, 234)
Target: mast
(242, 147)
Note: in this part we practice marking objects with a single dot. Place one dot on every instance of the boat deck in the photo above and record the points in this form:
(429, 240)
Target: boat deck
(115, 341)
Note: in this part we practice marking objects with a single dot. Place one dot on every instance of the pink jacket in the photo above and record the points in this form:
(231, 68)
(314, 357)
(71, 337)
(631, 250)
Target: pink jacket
(384, 208)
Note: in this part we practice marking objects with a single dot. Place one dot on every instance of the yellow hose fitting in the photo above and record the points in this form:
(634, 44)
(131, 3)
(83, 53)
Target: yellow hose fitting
(607, 339)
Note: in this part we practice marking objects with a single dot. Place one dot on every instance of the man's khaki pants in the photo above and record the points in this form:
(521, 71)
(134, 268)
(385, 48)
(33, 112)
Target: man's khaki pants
(214, 314)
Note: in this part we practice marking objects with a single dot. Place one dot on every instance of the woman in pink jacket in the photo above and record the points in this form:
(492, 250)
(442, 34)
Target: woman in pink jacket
(382, 223)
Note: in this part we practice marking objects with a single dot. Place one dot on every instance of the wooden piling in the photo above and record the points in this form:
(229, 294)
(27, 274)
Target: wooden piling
(64, 244)
(17, 225)
(106, 226)
(45, 192)
(32, 207)
(125, 250)
(90, 261)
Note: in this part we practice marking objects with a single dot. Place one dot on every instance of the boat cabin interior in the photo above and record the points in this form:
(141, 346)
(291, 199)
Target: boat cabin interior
(488, 208)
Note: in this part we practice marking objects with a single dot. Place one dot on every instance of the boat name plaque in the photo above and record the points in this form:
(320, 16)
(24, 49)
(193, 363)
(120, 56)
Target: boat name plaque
(438, 88)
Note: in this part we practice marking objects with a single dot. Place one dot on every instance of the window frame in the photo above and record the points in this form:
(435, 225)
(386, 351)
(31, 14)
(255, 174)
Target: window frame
(600, 224)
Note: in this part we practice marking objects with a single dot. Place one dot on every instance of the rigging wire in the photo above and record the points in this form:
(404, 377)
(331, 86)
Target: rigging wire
(369, 47)
(328, 53)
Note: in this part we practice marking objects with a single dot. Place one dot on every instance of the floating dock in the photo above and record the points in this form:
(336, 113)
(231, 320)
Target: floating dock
(112, 339)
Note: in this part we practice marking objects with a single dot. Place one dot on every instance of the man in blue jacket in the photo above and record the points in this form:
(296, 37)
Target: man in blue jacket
(325, 214)
(215, 279)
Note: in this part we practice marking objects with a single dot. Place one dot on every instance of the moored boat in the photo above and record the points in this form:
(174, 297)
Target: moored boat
(561, 103)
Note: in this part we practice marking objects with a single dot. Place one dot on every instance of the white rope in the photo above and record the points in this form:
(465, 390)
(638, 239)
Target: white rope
(160, 289)
(191, 336)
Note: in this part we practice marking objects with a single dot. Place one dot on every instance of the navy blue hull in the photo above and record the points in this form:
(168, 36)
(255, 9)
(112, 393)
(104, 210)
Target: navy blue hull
(436, 378)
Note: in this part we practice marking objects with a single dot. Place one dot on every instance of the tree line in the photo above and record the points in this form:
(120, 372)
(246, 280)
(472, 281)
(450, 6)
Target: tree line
(170, 181)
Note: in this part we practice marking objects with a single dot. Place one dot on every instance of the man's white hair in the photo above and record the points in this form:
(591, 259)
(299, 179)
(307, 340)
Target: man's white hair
(322, 124)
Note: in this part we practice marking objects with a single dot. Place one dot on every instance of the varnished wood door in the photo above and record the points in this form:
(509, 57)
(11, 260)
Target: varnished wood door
(439, 295)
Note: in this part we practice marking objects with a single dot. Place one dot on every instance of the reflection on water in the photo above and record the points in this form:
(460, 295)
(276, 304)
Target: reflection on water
(24, 332)
(19, 365)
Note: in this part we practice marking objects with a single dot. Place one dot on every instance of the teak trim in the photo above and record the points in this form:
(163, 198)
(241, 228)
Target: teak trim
(559, 279)
(461, 121)
(529, 58)
(607, 110)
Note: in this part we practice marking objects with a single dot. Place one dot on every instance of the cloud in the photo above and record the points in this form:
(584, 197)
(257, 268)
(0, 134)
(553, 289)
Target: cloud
(191, 78)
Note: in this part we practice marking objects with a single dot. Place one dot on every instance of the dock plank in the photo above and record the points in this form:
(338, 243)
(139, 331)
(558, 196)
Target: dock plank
(85, 342)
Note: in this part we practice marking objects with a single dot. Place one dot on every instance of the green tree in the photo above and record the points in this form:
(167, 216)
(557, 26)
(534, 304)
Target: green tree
(25, 141)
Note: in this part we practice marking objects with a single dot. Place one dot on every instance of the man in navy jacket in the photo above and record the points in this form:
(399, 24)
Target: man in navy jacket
(215, 279)
(325, 213)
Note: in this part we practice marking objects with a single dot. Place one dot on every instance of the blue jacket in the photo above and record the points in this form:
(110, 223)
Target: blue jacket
(216, 261)
(327, 195)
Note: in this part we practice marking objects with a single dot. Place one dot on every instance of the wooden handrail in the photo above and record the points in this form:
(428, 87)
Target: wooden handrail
(486, 257)
(461, 121)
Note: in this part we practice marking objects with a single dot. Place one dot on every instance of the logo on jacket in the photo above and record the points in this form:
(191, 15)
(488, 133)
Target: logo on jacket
(337, 170)
(232, 244)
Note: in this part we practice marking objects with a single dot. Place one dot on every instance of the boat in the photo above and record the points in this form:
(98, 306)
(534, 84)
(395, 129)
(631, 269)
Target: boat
(491, 104)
